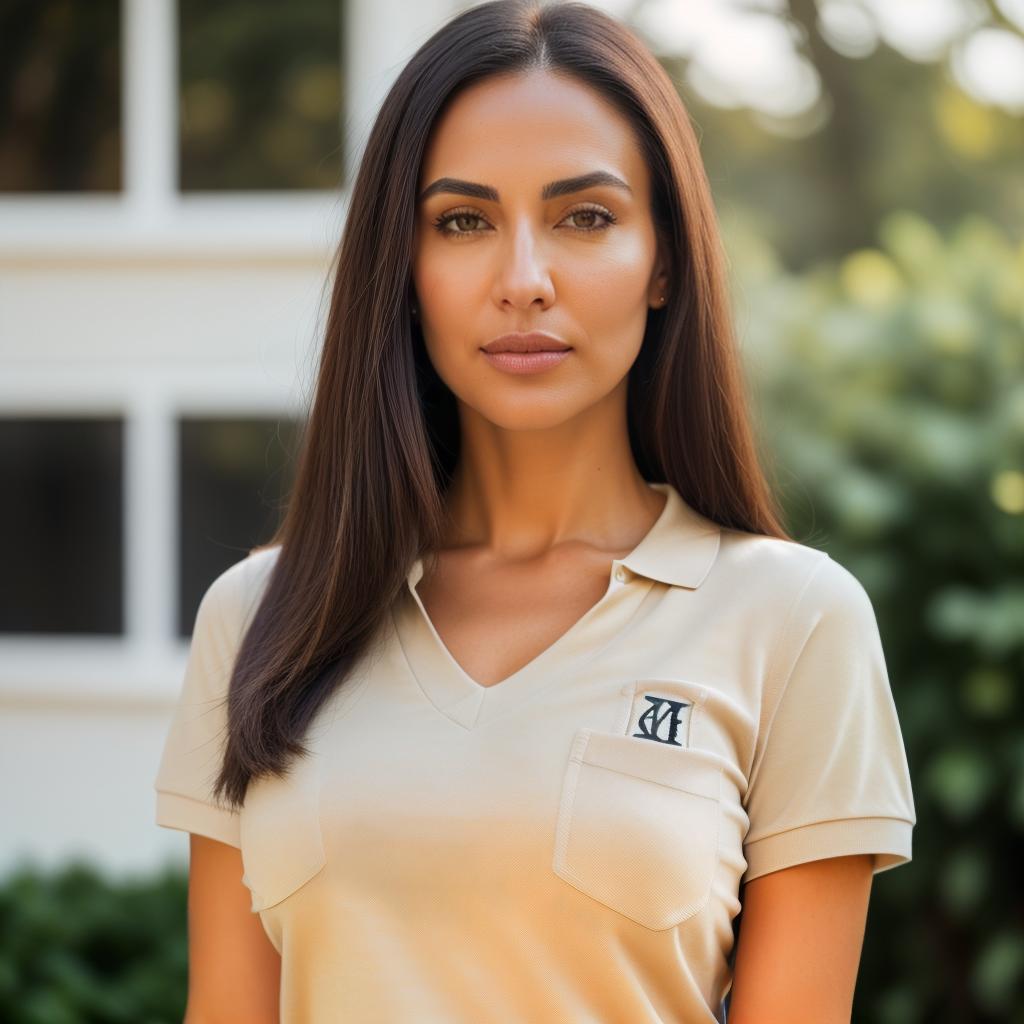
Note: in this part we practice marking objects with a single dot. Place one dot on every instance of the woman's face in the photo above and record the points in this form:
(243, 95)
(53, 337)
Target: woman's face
(498, 251)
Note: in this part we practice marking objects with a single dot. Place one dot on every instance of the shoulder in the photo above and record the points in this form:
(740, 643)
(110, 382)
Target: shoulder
(235, 593)
(791, 575)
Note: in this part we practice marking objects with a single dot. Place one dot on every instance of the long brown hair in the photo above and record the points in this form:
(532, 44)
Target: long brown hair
(381, 440)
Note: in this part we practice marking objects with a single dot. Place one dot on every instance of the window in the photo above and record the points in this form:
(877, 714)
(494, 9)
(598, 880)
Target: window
(260, 94)
(62, 525)
(60, 96)
(234, 476)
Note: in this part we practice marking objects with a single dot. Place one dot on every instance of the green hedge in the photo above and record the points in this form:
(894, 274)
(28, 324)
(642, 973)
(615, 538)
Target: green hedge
(77, 947)
(891, 394)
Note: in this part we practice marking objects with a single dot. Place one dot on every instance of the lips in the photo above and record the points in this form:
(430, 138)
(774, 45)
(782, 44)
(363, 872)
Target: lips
(534, 341)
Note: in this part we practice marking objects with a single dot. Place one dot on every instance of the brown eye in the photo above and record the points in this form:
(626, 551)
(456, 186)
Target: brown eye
(586, 212)
(463, 219)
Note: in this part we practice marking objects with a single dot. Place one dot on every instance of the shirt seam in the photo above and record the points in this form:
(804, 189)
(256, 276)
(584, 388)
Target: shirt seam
(216, 808)
(829, 821)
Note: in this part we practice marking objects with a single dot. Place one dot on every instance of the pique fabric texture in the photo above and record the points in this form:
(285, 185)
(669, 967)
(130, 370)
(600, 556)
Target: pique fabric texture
(568, 844)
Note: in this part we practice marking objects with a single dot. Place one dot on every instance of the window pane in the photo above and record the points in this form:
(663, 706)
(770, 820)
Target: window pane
(60, 96)
(234, 477)
(62, 524)
(261, 94)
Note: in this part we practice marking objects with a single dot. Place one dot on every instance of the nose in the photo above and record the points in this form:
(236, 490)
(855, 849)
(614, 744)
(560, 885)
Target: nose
(523, 274)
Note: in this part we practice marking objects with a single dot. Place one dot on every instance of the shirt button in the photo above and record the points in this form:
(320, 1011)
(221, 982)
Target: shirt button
(621, 574)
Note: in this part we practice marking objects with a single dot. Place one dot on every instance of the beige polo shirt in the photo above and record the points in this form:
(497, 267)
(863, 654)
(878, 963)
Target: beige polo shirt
(567, 845)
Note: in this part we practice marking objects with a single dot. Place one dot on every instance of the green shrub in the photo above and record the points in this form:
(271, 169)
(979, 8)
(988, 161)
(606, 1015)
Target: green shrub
(890, 390)
(79, 948)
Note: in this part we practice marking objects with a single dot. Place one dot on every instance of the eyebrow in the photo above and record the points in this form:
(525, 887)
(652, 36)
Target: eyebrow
(552, 190)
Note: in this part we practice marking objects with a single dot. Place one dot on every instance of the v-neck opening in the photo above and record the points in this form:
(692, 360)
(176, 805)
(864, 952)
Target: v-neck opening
(469, 703)
(559, 641)
(465, 700)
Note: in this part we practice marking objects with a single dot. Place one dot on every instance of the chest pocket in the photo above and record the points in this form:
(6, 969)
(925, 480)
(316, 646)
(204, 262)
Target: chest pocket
(638, 826)
(280, 835)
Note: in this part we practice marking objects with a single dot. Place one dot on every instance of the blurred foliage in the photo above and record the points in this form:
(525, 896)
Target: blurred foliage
(896, 134)
(889, 387)
(78, 948)
(879, 288)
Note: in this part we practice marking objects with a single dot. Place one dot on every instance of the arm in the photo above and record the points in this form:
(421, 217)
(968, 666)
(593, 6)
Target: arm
(800, 943)
(234, 971)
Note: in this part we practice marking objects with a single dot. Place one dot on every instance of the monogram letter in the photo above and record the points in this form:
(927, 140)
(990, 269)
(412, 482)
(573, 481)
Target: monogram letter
(660, 721)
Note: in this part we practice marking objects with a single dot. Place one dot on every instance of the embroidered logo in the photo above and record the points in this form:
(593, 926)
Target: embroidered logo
(663, 720)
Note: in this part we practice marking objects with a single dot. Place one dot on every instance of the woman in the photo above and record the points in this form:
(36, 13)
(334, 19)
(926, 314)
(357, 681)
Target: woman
(531, 693)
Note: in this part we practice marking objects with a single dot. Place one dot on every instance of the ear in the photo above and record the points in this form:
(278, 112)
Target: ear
(658, 295)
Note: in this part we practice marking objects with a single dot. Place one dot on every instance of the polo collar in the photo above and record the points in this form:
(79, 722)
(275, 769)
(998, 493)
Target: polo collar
(680, 548)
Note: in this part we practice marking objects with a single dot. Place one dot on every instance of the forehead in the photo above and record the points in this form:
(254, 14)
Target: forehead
(520, 131)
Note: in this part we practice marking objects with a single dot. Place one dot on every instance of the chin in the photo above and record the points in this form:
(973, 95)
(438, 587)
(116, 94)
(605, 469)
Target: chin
(519, 411)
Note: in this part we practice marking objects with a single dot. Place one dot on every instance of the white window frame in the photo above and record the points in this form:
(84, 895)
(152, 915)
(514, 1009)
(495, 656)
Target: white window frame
(151, 219)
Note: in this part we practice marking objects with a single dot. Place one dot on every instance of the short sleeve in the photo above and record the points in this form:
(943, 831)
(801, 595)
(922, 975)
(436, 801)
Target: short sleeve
(194, 745)
(830, 774)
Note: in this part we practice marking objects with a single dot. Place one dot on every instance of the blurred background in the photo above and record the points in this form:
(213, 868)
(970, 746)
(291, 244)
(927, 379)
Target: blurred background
(173, 180)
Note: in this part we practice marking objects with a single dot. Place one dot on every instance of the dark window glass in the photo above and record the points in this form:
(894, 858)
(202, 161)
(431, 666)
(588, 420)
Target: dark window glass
(62, 525)
(261, 94)
(60, 96)
(235, 475)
